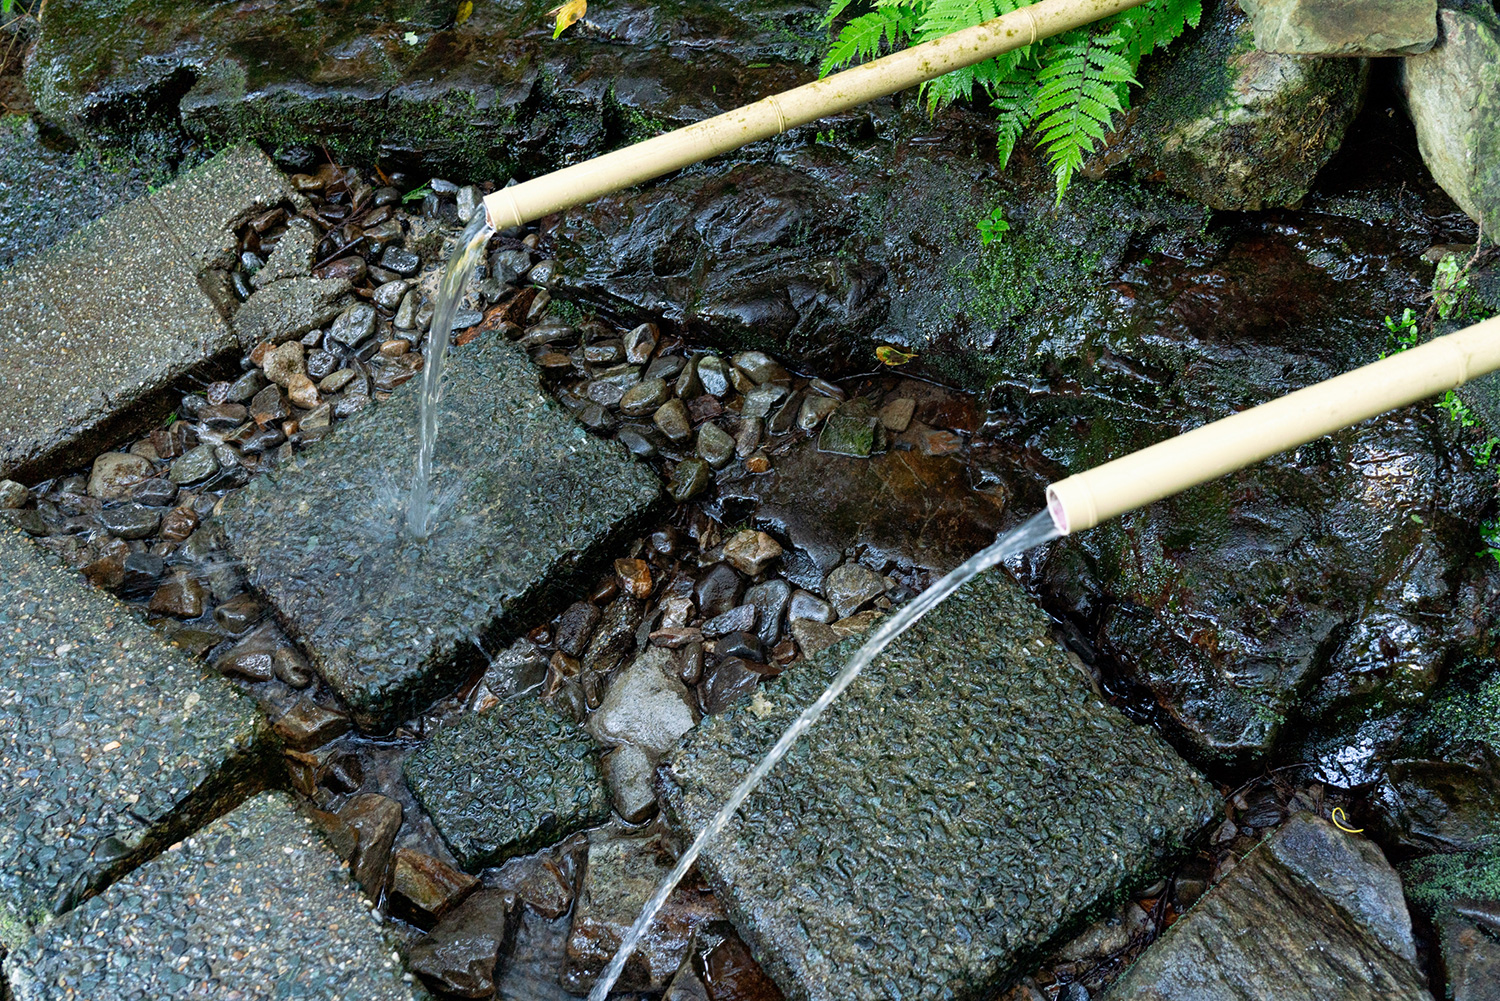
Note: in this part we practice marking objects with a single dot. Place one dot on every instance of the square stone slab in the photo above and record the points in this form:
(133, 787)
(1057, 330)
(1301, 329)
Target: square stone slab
(509, 781)
(390, 622)
(113, 744)
(255, 905)
(968, 799)
(99, 330)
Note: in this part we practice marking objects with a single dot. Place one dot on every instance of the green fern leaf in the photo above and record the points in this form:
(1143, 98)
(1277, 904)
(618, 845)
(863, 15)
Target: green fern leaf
(862, 37)
(835, 8)
(1014, 101)
(1080, 91)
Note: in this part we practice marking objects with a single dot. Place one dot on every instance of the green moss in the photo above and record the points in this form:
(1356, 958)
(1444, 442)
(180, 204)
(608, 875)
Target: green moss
(1435, 881)
(13, 930)
(1463, 713)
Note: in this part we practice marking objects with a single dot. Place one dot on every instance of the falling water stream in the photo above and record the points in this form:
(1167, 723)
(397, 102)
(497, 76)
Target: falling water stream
(1037, 530)
(421, 506)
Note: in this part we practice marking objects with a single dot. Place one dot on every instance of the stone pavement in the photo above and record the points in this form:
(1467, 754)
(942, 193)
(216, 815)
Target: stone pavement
(967, 800)
(531, 500)
(113, 744)
(97, 329)
(255, 905)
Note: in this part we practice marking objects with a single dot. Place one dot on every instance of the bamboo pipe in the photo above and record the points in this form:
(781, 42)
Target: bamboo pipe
(570, 186)
(1205, 453)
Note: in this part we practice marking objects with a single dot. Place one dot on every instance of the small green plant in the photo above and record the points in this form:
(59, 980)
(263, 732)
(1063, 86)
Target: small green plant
(1449, 285)
(417, 194)
(1489, 532)
(1401, 334)
(993, 227)
(1458, 411)
(1067, 88)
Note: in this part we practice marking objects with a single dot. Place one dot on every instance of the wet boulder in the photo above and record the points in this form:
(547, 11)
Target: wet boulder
(1460, 895)
(1328, 588)
(1311, 913)
(1236, 127)
(1453, 95)
(1321, 28)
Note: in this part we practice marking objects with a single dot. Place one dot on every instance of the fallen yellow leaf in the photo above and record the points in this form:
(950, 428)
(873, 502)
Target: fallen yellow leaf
(893, 356)
(464, 10)
(567, 14)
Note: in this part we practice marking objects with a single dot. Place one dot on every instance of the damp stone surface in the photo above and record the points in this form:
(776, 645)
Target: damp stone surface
(509, 781)
(968, 799)
(256, 905)
(527, 500)
(97, 330)
(113, 744)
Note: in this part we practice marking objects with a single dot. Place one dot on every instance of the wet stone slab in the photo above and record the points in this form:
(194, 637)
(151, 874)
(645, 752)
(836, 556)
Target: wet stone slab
(96, 330)
(256, 905)
(509, 781)
(968, 799)
(113, 745)
(529, 500)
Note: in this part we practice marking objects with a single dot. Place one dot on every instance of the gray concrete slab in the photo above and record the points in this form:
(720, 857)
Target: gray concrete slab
(509, 781)
(113, 744)
(98, 330)
(256, 905)
(529, 499)
(966, 801)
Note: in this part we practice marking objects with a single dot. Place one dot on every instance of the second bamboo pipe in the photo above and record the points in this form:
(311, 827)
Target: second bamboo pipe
(1169, 467)
(583, 182)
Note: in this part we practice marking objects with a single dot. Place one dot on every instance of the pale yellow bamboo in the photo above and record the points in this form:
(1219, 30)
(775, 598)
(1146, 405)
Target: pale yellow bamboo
(1205, 453)
(773, 115)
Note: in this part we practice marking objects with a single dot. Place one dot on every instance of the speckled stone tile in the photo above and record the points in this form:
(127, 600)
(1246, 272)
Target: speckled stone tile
(254, 906)
(97, 330)
(112, 743)
(509, 781)
(966, 800)
(391, 623)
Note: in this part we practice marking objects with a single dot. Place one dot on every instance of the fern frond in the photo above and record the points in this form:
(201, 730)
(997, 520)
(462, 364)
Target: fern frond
(1014, 101)
(1080, 91)
(862, 37)
(1154, 24)
(835, 8)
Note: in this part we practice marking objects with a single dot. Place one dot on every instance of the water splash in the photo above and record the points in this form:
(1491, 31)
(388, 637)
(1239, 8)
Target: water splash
(1035, 531)
(421, 506)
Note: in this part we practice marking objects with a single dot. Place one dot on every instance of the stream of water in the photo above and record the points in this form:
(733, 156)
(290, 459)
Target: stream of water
(1037, 530)
(421, 504)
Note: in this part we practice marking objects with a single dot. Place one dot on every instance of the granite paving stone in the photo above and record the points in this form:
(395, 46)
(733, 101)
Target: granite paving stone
(528, 501)
(113, 744)
(98, 329)
(966, 801)
(254, 906)
(509, 781)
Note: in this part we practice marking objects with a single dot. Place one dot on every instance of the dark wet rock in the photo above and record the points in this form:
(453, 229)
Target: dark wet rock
(718, 591)
(1460, 895)
(673, 421)
(307, 725)
(389, 623)
(13, 495)
(634, 576)
(195, 467)
(375, 820)
(644, 398)
(181, 596)
(112, 745)
(645, 705)
(1236, 127)
(750, 551)
(1063, 803)
(689, 479)
(287, 309)
(131, 521)
(640, 342)
(122, 353)
(508, 781)
(734, 975)
(576, 627)
(423, 888)
(460, 955)
(400, 260)
(619, 876)
(713, 375)
(630, 773)
(853, 586)
(268, 405)
(729, 680)
(741, 646)
(353, 325)
(896, 414)
(1453, 94)
(140, 573)
(1312, 913)
(810, 607)
(1311, 28)
(178, 524)
(814, 410)
(771, 601)
(741, 618)
(254, 902)
(155, 492)
(545, 882)
(616, 633)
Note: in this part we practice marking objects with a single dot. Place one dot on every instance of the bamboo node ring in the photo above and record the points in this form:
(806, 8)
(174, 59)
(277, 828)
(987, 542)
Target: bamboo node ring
(780, 118)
